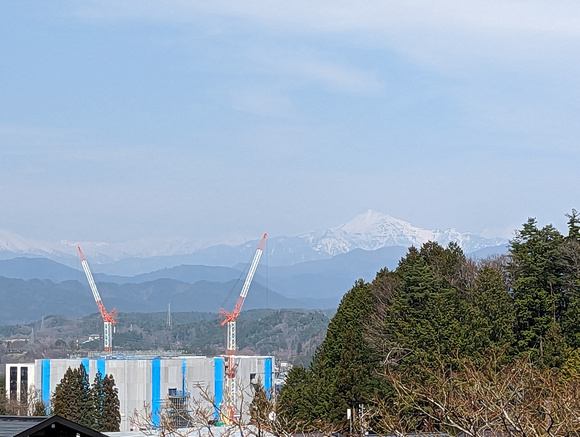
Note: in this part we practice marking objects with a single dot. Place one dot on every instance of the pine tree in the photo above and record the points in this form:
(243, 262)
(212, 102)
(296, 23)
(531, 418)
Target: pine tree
(63, 402)
(429, 309)
(493, 322)
(98, 395)
(294, 405)
(570, 255)
(72, 397)
(440, 312)
(538, 288)
(38, 408)
(111, 406)
(343, 371)
(260, 407)
(571, 367)
(96, 407)
(85, 399)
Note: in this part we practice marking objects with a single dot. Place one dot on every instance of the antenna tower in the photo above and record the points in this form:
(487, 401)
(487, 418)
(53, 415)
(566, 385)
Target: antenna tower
(168, 323)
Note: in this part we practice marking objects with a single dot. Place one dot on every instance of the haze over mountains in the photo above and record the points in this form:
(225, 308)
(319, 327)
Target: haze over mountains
(368, 231)
(311, 270)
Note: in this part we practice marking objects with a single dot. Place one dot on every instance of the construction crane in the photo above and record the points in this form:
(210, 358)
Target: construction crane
(230, 389)
(108, 318)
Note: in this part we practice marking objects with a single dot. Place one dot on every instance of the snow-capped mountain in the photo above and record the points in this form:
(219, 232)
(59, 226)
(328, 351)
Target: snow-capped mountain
(368, 231)
(15, 244)
(373, 230)
(12, 245)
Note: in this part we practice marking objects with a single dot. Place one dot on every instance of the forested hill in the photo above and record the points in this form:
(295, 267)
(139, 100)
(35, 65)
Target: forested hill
(25, 301)
(443, 343)
(290, 335)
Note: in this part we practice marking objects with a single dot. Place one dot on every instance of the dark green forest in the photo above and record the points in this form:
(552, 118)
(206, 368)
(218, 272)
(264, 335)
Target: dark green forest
(447, 343)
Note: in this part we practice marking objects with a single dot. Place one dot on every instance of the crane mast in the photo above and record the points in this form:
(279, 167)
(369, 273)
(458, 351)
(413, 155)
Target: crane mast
(229, 319)
(108, 318)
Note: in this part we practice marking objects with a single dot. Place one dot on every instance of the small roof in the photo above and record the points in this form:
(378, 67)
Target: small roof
(42, 426)
(12, 425)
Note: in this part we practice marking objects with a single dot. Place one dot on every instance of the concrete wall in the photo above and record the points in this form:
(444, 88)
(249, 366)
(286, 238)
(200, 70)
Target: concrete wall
(145, 383)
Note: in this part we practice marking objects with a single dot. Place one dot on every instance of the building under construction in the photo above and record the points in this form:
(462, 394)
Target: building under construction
(150, 386)
(221, 387)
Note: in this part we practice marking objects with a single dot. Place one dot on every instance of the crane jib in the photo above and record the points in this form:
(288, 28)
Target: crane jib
(230, 390)
(92, 284)
(108, 318)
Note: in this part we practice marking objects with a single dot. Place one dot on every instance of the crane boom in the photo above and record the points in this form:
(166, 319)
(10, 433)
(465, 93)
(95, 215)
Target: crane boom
(87, 270)
(231, 409)
(229, 317)
(108, 318)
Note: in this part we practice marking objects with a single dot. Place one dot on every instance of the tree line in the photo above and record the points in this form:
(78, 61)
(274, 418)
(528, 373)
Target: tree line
(95, 406)
(447, 343)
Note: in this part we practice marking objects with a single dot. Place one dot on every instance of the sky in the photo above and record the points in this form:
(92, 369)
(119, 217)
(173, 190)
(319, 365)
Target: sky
(217, 121)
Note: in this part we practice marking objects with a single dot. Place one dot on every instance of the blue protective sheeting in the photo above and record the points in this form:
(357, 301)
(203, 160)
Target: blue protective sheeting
(45, 383)
(85, 363)
(183, 374)
(155, 390)
(218, 385)
(268, 376)
(101, 367)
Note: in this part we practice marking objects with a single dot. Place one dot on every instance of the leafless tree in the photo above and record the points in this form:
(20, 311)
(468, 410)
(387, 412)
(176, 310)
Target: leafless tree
(197, 416)
(515, 400)
(200, 414)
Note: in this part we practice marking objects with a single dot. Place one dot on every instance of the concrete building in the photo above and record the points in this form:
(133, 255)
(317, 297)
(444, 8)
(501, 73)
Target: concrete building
(144, 382)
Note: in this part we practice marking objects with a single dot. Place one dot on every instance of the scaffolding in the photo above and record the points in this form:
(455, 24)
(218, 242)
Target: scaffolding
(178, 408)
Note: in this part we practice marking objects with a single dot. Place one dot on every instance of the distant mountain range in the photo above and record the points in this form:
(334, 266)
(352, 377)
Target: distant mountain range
(369, 231)
(311, 270)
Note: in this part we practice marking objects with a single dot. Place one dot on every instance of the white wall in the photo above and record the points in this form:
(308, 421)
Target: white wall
(134, 378)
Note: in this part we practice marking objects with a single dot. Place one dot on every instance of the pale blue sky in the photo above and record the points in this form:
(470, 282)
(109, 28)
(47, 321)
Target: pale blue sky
(214, 120)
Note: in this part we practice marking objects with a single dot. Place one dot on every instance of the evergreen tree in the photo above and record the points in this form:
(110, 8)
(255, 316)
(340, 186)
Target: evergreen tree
(570, 255)
(538, 288)
(430, 308)
(573, 225)
(493, 323)
(343, 372)
(571, 367)
(111, 415)
(437, 313)
(98, 396)
(72, 398)
(38, 408)
(294, 405)
(260, 407)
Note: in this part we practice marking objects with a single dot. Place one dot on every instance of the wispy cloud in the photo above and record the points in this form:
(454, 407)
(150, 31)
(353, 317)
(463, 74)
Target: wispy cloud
(378, 21)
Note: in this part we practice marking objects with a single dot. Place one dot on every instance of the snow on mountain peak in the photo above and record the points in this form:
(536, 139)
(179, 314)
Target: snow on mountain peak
(370, 230)
(15, 243)
(370, 222)
(373, 230)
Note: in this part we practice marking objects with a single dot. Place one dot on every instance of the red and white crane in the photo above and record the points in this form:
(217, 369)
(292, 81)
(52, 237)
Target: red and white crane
(108, 318)
(230, 389)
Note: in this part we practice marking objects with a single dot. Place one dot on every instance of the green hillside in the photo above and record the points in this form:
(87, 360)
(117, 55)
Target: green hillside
(289, 335)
